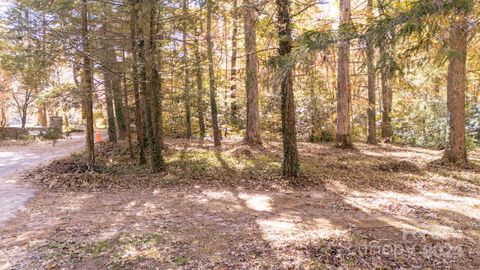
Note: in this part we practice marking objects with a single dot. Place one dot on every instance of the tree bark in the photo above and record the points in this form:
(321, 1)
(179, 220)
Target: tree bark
(107, 86)
(157, 80)
(135, 76)
(111, 128)
(314, 113)
(87, 84)
(371, 112)
(186, 86)
(290, 165)
(199, 78)
(343, 138)
(117, 92)
(456, 150)
(217, 136)
(23, 116)
(233, 69)
(386, 105)
(127, 114)
(252, 136)
(150, 88)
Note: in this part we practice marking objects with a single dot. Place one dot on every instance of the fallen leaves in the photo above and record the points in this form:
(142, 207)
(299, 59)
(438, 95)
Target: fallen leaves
(230, 208)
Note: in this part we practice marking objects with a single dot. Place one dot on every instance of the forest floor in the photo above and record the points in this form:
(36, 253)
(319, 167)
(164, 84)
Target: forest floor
(375, 206)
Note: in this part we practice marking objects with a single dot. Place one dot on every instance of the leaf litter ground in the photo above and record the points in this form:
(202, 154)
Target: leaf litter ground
(373, 207)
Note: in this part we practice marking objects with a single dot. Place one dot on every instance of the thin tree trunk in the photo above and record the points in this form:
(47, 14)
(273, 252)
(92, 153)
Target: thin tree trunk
(456, 150)
(87, 84)
(149, 90)
(226, 91)
(290, 165)
(217, 136)
(23, 116)
(107, 86)
(157, 80)
(371, 112)
(127, 114)
(186, 86)
(386, 105)
(252, 136)
(112, 130)
(199, 75)
(313, 106)
(343, 138)
(233, 69)
(135, 76)
(117, 93)
(145, 94)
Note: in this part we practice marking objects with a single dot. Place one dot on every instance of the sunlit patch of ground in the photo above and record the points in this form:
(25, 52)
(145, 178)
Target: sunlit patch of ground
(366, 208)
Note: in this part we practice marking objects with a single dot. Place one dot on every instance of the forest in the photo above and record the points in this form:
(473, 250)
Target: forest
(240, 134)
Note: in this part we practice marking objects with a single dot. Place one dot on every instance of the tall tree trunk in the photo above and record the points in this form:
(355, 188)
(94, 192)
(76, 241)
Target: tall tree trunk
(456, 150)
(290, 165)
(233, 69)
(145, 95)
(135, 76)
(217, 136)
(111, 128)
(186, 90)
(107, 86)
(157, 80)
(127, 113)
(385, 76)
(226, 91)
(314, 123)
(111, 66)
(386, 104)
(117, 93)
(252, 136)
(150, 88)
(87, 84)
(199, 75)
(371, 112)
(344, 138)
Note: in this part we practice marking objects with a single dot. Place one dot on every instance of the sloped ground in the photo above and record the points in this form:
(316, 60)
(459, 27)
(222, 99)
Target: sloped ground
(384, 206)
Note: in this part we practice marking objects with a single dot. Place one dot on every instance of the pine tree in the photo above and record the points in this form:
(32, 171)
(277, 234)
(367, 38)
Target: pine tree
(456, 150)
(233, 69)
(371, 112)
(344, 99)
(135, 77)
(199, 79)
(290, 165)
(252, 135)
(217, 136)
(186, 70)
(87, 84)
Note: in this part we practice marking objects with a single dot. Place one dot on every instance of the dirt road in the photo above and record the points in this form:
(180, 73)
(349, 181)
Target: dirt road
(17, 159)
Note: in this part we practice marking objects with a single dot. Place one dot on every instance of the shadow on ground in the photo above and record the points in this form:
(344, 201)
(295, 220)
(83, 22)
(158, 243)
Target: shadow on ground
(229, 209)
